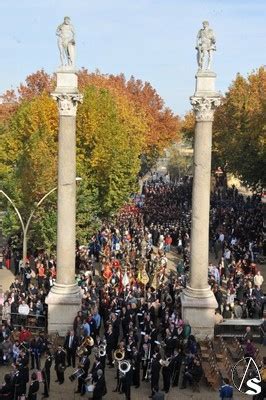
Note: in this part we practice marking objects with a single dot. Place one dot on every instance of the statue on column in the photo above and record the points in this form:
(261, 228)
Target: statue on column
(206, 44)
(66, 43)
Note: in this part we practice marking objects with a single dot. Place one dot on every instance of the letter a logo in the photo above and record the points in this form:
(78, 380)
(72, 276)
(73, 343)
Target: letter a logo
(246, 376)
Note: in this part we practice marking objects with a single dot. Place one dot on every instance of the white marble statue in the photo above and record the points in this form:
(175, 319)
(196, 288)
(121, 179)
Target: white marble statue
(66, 43)
(206, 44)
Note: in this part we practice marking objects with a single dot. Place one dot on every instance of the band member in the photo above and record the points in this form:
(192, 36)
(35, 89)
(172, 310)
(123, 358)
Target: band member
(19, 386)
(115, 322)
(166, 372)
(175, 366)
(34, 387)
(100, 386)
(155, 373)
(23, 357)
(95, 367)
(136, 360)
(46, 373)
(110, 345)
(7, 390)
(126, 381)
(35, 353)
(25, 376)
(84, 364)
(60, 364)
(71, 344)
(145, 356)
(99, 342)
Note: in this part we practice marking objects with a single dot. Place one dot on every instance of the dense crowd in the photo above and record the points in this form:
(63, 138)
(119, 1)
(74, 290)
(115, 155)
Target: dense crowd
(130, 319)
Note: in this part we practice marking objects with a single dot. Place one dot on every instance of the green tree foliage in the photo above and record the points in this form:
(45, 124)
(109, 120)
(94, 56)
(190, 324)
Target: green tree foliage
(110, 139)
(240, 129)
(116, 125)
(179, 162)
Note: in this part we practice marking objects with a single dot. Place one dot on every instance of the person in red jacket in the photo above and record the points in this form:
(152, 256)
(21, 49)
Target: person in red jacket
(25, 335)
(167, 243)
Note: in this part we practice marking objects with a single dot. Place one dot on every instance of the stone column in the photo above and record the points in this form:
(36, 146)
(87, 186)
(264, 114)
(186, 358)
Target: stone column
(198, 301)
(64, 298)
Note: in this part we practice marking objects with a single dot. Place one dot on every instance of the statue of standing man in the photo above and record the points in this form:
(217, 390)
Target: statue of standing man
(66, 43)
(206, 44)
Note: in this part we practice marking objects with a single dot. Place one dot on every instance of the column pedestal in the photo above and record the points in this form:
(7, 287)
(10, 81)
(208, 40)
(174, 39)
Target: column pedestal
(199, 312)
(63, 304)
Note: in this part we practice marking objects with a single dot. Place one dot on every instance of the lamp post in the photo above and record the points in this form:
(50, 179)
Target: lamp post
(25, 226)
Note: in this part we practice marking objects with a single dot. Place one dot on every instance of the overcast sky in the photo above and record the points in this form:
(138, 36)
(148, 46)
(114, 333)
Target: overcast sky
(154, 40)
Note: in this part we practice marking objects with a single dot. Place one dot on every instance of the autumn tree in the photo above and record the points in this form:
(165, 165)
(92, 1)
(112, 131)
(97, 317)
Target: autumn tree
(118, 122)
(163, 126)
(240, 129)
(110, 138)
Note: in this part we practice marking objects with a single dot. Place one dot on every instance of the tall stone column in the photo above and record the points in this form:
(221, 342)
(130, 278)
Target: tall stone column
(198, 301)
(64, 299)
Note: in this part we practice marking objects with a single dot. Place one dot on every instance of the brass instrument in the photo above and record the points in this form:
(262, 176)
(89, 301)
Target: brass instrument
(165, 363)
(87, 342)
(102, 350)
(119, 355)
(53, 342)
(99, 351)
(123, 366)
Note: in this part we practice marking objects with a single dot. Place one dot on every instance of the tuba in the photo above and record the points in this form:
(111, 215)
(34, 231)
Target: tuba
(87, 342)
(119, 355)
(102, 350)
(123, 366)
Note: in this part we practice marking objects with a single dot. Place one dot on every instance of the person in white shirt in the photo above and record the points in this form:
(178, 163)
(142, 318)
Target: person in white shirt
(23, 311)
(258, 279)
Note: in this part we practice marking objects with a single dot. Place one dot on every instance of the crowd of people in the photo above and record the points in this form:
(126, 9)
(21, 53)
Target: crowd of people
(130, 319)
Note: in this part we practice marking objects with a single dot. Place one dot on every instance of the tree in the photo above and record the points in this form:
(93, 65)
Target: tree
(179, 163)
(110, 138)
(240, 129)
(163, 126)
(188, 128)
(117, 123)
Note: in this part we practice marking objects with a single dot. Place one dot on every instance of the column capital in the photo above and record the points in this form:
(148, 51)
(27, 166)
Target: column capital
(67, 103)
(204, 107)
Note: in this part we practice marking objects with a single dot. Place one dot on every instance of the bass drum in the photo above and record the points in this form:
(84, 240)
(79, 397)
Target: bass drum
(89, 391)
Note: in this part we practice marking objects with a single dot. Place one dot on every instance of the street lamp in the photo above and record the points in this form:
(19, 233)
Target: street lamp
(25, 227)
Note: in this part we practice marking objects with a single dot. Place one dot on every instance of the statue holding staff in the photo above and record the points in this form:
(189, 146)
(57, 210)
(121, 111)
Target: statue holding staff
(66, 43)
(206, 44)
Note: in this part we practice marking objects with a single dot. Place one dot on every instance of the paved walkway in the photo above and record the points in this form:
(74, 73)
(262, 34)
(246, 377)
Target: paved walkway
(6, 278)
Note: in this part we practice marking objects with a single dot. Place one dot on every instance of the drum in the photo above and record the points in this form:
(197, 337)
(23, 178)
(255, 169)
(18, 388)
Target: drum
(77, 374)
(89, 390)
